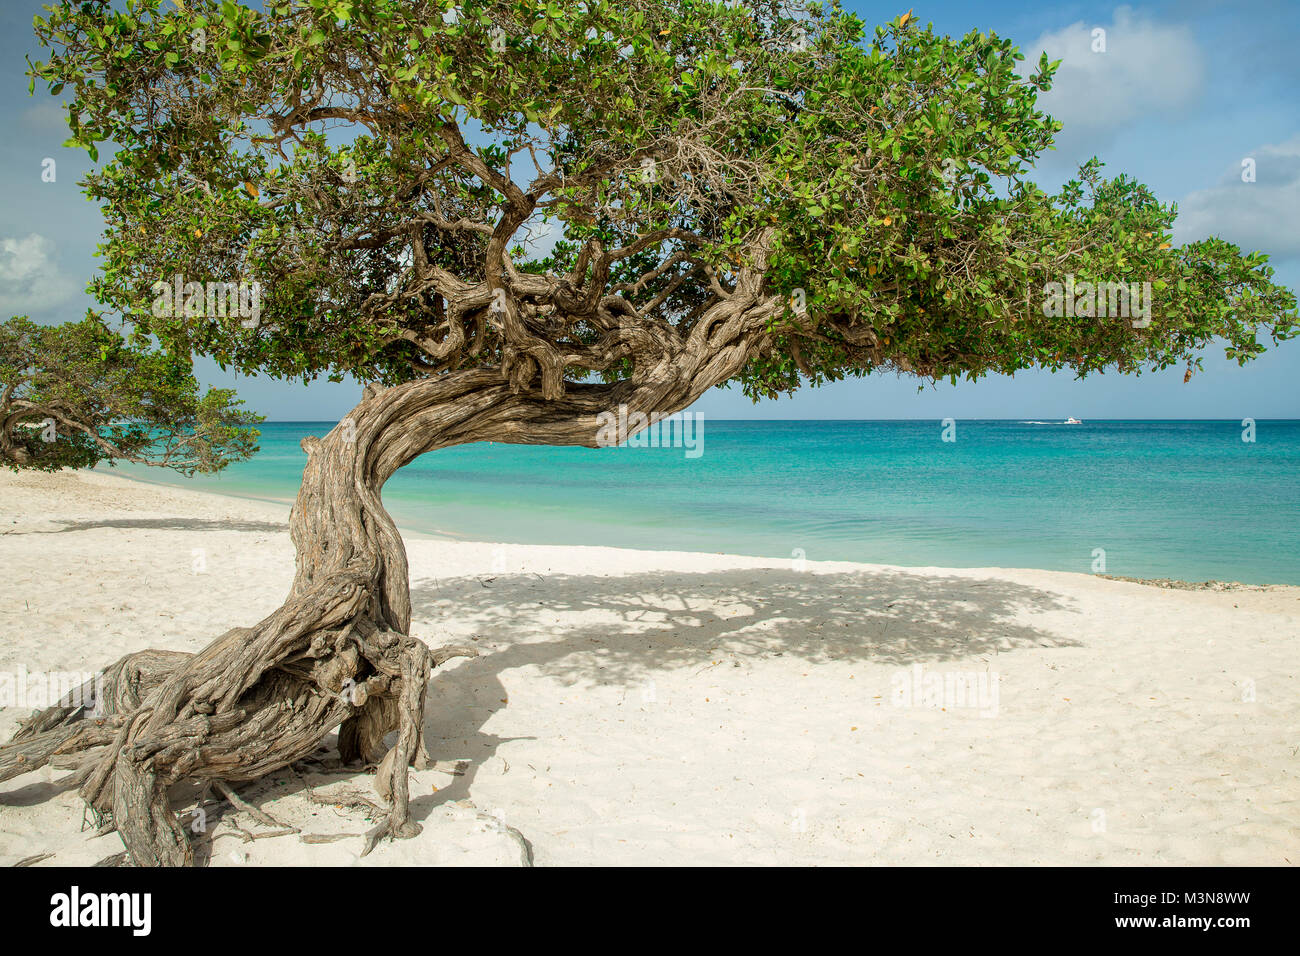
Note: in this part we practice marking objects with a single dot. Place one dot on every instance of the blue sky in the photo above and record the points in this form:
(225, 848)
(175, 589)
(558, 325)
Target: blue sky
(1182, 94)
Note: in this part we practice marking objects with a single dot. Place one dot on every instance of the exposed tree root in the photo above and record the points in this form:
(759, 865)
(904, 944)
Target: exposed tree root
(250, 837)
(225, 715)
(260, 816)
(496, 823)
(251, 703)
(313, 839)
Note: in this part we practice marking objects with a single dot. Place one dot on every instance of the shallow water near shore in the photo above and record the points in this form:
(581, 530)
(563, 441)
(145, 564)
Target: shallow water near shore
(1178, 499)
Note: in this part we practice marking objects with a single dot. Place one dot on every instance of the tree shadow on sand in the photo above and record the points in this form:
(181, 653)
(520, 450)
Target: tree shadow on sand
(162, 524)
(626, 628)
(634, 625)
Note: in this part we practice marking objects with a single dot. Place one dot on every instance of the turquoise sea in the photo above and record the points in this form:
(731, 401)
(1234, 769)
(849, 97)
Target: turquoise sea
(1179, 499)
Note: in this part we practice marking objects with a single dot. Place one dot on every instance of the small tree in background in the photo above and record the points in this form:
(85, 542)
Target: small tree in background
(77, 394)
(741, 193)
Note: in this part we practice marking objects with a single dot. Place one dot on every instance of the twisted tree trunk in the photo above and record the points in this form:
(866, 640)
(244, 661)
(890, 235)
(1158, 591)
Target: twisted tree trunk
(338, 652)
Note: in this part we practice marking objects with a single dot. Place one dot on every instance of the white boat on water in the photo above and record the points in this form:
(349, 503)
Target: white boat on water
(1072, 421)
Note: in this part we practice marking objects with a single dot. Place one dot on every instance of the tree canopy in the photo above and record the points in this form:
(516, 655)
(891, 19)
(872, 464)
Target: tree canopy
(77, 394)
(859, 200)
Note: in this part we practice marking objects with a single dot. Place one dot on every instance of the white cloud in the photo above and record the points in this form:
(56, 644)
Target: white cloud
(1147, 68)
(30, 279)
(1263, 215)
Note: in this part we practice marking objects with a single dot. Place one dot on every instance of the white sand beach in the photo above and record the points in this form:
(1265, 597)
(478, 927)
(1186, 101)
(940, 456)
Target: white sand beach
(636, 707)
